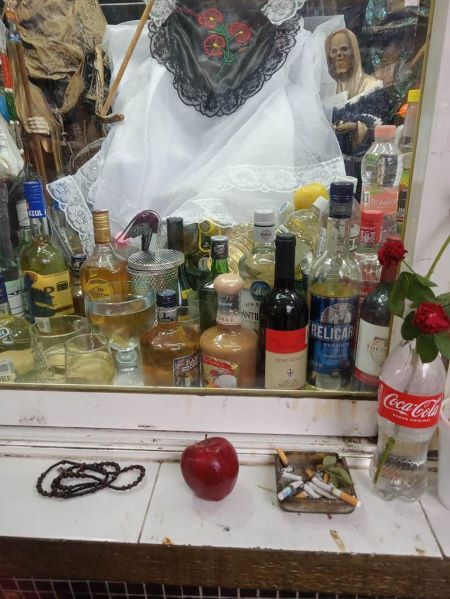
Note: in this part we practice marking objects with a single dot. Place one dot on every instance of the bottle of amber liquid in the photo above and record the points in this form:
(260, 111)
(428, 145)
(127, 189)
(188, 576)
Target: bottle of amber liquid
(104, 274)
(228, 350)
(170, 352)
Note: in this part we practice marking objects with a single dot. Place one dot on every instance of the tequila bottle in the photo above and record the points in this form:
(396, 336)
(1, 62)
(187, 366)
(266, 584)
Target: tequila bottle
(8, 266)
(257, 268)
(334, 285)
(207, 294)
(44, 270)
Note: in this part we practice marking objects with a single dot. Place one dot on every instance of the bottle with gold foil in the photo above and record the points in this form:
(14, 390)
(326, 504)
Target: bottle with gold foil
(44, 269)
(104, 274)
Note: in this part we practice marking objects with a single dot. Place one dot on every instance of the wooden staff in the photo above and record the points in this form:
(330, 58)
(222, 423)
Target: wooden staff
(113, 118)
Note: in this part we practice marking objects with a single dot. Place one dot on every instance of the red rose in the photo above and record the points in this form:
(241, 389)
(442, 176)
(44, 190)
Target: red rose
(240, 32)
(210, 18)
(214, 45)
(391, 252)
(431, 318)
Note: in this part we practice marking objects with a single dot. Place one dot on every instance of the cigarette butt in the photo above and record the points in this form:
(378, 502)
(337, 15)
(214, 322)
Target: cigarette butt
(348, 498)
(309, 473)
(302, 495)
(325, 477)
(282, 456)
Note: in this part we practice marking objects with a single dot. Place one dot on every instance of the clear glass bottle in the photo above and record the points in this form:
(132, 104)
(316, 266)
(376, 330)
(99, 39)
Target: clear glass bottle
(77, 291)
(257, 268)
(366, 255)
(333, 293)
(355, 221)
(381, 170)
(175, 241)
(66, 238)
(207, 294)
(44, 269)
(16, 354)
(104, 274)
(228, 350)
(8, 265)
(170, 352)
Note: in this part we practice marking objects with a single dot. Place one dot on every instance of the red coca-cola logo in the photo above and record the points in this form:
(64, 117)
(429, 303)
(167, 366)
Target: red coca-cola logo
(412, 411)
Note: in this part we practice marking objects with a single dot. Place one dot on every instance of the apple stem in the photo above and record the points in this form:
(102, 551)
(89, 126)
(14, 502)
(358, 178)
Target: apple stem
(206, 436)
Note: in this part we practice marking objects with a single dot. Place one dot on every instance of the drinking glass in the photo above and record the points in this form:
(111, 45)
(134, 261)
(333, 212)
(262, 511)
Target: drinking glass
(444, 454)
(49, 339)
(89, 360)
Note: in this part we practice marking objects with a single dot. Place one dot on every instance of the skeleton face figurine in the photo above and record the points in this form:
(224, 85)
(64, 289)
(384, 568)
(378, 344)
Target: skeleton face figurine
(341, 57)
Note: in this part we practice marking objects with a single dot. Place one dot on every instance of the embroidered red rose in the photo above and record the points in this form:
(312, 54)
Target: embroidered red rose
(210, 18)
(214, 45)
(240, 32)
(431, 318)
(391, 252)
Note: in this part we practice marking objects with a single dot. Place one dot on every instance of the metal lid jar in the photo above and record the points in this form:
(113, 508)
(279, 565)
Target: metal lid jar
(154, 270)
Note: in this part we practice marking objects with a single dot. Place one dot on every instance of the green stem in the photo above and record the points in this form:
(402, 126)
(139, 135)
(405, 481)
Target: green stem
(408, 267)
(438, 257)
(384, 457)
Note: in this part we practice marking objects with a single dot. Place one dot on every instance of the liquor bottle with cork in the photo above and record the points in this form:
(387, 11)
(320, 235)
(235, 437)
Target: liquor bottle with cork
(228, 350)
(257, 268)
(170, 352)
(283, 324)
(373, 332)
(105, 273)
(334, 286)
(207, 294)
(16, 354)
(175, 241)
(8, 266)
(44, 269)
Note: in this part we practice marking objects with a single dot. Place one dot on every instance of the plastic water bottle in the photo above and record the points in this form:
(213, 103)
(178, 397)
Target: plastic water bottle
(409, 400)
(381, 171)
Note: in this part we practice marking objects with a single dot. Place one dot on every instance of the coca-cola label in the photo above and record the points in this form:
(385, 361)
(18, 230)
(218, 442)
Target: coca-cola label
(411, 411)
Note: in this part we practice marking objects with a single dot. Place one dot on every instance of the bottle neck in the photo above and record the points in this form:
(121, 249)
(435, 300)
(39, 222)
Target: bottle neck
(285, 268)
(219, 266)
(39, 228)
(263, 236)
(369, 239)
(167, 315)
(388, 274)
(228, 311)
(5, 310)
(338, 236)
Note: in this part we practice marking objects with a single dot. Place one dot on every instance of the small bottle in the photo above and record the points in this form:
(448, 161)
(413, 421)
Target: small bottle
(355, 221)
(170, 352)
(198, 256)
(8, 265)
(104, 274)
(381, 170)
(334, 284)
(127, 368)
(366, 255)
(257, 268)
(228, 350)
(77, 292)
(16, 354)
(44, 269)
(207, 294)
(283, 324)
(175, 241)
(373, 332)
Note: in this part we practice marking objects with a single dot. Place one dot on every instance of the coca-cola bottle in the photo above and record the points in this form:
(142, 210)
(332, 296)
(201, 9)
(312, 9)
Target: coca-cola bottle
(409, 399)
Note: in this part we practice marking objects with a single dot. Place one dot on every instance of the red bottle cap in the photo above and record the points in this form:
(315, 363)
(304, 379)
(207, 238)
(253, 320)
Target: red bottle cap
(371, 226)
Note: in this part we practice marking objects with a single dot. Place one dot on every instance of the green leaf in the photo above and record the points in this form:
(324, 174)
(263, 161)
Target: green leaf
(423, 281)
(443, 299)
(397, 299)
(417, 293)
(409, 331)
(341, 474)
(442, 341)
(334, 480)
(426, 348)
(329, 460)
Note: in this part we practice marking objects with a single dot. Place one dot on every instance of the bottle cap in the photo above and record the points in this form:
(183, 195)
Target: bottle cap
(385, 131)
(219, 247)
(341, 199)
(166, 299)
(321, 204)
(34, 195)
(414, 96)
(228, 284)
(101, 226)
(264, 218)
(3, 293)
(285, 240)
(371, 217)
(348, 179)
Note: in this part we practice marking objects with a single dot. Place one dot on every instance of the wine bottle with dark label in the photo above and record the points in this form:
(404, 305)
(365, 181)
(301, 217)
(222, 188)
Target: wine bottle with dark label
(283, 324)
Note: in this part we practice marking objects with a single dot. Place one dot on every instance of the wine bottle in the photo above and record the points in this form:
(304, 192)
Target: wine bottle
(283, 324)
(175, 241)
(207, 293)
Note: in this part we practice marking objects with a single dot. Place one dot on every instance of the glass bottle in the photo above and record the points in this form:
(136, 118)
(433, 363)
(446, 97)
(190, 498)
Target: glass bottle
(16, 354)
(104, 274)
(170, 352)
(366, 255)
(44, 270)
(373, 333)
(355, 222)
(175, 241)
(257, 268)
(25, 237)
(334, 284)
(207, 294)
(228, 350)
(283, 324)
(77, 292)
(8, 266)
(198, 255)
(63, 235)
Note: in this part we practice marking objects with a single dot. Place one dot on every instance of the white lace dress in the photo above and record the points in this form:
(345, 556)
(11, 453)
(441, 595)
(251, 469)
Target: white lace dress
(171, 157)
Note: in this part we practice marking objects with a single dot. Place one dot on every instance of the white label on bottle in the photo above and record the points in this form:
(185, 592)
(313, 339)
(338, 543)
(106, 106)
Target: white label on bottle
(251, 302)
(7, 371)
(286, 355)
(263, 234)
(371, 351)
(354, 236)
(13, 289)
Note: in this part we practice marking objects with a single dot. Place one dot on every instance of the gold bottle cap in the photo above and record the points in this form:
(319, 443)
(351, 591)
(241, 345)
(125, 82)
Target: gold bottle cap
(102, 230)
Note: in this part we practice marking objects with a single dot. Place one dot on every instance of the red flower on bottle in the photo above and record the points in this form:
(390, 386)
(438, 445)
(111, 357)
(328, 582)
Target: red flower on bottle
(210, 18)
(431, 318)
(391, 252)
(214, 45)
(240, 32)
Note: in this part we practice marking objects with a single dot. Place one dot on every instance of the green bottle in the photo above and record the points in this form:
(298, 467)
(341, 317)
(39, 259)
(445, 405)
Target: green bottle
(207, 293)
(44, 270)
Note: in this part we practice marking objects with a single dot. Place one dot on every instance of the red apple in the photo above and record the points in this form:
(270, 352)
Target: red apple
(210, 468)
